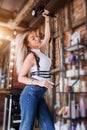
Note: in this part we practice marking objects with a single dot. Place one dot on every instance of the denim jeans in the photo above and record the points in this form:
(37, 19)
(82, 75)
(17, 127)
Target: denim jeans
(33, 106)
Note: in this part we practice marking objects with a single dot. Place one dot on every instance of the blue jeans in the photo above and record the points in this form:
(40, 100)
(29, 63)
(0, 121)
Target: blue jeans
(33, 106)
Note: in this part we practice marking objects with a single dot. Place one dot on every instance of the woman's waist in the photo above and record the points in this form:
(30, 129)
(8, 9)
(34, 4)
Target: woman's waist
(40, 74)
(35, 88)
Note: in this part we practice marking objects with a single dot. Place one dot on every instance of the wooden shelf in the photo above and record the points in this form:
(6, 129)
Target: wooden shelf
(66, 118)
(75, 47)
(56, 70)
(71, 92)
(80, 60)
(76, 76)
(5, 90)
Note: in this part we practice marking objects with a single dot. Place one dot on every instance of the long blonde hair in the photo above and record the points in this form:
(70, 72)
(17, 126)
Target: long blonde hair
(20, 51)
(22, 48)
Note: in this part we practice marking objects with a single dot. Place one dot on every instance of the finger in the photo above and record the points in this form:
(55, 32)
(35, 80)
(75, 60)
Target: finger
(43, 14)
(51, 82)
(49, 85)
(46, 11)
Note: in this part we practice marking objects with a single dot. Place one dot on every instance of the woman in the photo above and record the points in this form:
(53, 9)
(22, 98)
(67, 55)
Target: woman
(30, 58)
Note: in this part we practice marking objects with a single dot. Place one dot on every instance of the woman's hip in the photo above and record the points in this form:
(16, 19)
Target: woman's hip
(33, 90)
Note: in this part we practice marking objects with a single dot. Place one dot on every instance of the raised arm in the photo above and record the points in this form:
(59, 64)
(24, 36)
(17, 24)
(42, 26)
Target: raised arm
(47, 31)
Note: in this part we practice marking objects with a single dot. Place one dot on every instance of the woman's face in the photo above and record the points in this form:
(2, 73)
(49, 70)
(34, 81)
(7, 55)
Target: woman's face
(34, 40)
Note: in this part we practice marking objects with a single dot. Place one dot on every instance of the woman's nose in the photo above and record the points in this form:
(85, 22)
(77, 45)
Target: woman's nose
(37, 38)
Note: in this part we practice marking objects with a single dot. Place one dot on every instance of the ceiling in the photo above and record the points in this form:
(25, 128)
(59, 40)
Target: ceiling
(18, 13)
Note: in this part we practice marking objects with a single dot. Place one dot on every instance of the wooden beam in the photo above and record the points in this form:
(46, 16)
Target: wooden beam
(24, 11)
(3, 19)
(35, 22)
(51, 4)
(27, 8)
(5, 13)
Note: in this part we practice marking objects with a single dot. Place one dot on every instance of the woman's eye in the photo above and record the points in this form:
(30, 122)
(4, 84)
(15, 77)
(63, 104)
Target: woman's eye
(33, 38)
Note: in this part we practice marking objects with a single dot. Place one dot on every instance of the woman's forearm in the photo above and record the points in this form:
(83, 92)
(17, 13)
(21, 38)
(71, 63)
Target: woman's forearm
(30, 81)
(26, 80)
(46, 33)
(47, 28)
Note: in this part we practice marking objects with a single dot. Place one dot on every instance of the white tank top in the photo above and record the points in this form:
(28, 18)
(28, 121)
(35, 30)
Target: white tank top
(44, 63)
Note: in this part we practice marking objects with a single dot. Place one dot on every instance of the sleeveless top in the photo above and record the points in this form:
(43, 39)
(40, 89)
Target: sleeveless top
(44, 66)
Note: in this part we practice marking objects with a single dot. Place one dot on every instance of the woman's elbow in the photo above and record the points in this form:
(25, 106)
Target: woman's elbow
(19, 79)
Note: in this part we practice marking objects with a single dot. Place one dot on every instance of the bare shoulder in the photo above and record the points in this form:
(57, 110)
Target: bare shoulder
(29, 57)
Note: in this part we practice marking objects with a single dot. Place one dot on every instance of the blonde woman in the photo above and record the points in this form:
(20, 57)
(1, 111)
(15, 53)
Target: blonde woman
(30, 58)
